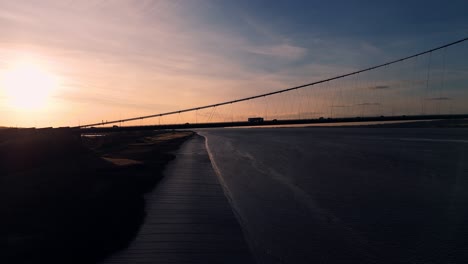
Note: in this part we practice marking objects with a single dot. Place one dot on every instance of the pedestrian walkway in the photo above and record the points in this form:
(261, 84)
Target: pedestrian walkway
(189, 218)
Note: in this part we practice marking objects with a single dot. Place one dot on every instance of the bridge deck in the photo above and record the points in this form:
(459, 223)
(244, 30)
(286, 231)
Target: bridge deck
(189, 219)
(452, 118)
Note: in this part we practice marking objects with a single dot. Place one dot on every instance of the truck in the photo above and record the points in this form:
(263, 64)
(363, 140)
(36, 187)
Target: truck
(255, 119)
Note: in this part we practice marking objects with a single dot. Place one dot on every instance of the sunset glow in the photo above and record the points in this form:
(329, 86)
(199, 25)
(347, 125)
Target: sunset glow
(28, 86)
(65, 65)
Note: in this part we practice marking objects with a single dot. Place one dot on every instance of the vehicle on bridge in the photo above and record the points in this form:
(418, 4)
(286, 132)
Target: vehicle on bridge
(255, 119)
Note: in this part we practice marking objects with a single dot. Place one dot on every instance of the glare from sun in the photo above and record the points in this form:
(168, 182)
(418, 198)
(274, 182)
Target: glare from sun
(28, 86)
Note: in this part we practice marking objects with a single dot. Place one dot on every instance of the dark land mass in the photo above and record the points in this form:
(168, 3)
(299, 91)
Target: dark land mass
(448, 123)
(65, 198)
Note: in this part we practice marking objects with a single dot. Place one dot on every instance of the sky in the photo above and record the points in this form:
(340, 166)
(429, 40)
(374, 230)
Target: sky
(118, 59)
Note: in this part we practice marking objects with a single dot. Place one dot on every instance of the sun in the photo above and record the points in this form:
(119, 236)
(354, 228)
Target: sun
(28, 86)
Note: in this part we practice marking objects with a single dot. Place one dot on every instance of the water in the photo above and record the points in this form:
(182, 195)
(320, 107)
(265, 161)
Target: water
(347, 195)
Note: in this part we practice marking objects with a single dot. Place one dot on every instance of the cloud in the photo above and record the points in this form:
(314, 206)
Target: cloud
(439, 99)
(281, 51)
(107, 100)
(368, 104)
(379, 87)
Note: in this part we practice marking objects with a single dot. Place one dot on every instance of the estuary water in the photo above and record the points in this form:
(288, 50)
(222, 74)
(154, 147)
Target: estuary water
(347, 195)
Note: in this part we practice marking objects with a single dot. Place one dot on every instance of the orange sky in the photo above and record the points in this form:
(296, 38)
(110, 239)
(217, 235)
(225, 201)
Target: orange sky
(130, 58)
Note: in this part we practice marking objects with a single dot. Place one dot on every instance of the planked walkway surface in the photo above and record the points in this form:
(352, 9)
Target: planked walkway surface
(189, 219)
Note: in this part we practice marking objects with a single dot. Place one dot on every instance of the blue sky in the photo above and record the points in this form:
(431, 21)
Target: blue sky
(394, 28)
(123, 58)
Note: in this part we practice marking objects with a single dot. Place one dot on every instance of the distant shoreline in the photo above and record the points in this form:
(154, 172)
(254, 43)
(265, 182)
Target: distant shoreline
(390, 124)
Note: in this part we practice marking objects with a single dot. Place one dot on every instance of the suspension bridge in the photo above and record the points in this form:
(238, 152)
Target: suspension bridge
(337, 195)
(432, 84)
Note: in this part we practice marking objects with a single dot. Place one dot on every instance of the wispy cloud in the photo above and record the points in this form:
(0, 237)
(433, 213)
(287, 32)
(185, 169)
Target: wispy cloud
(380, 87)
(368, 104)
(439, 99)
(281, 51)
